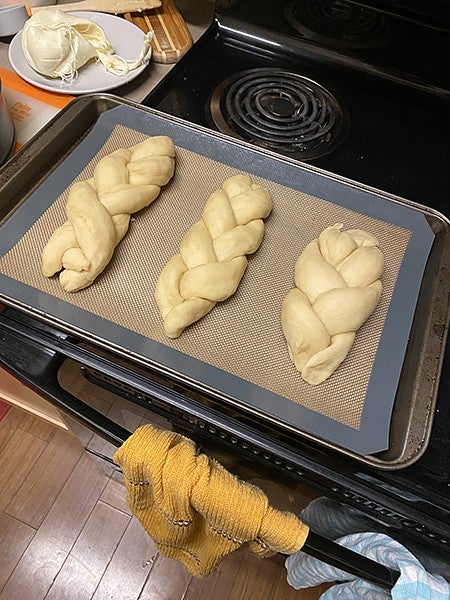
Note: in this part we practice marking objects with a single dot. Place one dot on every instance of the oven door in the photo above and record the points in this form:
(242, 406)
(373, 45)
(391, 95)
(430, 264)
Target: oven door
(45, 359)
(51, 363)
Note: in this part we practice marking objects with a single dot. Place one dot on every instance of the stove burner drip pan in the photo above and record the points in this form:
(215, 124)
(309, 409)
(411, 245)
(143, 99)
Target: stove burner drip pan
(337, 23)
(280, 111)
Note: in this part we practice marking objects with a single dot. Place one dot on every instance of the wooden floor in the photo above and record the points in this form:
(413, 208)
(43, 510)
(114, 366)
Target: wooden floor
(66, 531)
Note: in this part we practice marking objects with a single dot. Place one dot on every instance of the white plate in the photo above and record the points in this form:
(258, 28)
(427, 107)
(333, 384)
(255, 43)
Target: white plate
(126, 39)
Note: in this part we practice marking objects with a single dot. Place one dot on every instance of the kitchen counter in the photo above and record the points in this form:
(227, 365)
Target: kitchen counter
(198, 15)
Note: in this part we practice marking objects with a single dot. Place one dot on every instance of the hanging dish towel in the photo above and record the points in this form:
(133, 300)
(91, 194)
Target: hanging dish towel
(414, 582)
(332, 519)
(195, 510)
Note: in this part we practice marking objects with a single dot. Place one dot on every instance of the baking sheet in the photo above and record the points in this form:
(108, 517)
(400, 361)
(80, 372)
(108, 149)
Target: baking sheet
(238, 349)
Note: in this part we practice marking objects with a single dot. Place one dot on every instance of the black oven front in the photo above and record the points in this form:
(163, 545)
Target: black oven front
(345, 86)
(410, 505)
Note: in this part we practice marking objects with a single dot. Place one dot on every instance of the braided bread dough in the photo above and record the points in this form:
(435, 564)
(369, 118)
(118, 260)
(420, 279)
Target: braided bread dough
(212, 257)
(99, 210)
(337, 289)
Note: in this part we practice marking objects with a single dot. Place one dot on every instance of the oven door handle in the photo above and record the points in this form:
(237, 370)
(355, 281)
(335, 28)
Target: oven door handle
(37, 367)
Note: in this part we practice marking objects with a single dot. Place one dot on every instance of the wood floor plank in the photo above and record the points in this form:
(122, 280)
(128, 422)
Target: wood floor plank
(244, 576)
(130, 565)
(90, 555)
(262, 579)
(168, 580)
(17, 460)
(76, 501)
(35, 572)
(255, 579)
(115, 494)
(101, 446)
(38, 427)
(35, 496)
(241, 576)
(9, 424)
(14, 539)
(219, 583)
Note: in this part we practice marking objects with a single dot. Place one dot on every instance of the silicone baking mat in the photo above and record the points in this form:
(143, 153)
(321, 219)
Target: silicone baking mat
(238, 349)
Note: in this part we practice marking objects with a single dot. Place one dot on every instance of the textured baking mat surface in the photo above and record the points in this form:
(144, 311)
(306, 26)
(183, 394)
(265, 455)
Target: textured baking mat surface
(238, 348)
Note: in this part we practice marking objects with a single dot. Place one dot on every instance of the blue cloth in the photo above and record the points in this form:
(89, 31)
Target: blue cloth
(333, 519)
(414, 583)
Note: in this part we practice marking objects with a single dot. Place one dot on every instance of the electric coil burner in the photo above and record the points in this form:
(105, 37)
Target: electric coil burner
(337, 23)
(281, 111)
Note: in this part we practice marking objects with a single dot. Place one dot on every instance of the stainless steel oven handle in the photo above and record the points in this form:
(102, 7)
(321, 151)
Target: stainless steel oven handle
(37, 366)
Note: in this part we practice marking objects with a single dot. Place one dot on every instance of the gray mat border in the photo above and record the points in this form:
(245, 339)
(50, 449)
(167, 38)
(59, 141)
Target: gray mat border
(373, 434)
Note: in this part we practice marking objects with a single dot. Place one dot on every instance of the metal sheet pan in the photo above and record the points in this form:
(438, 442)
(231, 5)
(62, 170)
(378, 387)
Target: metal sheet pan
(412, 414)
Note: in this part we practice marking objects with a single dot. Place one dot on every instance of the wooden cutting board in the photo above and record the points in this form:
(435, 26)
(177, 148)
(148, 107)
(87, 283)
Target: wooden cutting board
(171, 36)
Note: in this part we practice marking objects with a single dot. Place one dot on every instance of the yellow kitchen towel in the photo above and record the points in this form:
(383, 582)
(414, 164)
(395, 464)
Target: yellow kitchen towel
(195, 510)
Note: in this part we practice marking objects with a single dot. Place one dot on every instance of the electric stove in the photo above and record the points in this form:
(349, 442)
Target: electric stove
(358, 89)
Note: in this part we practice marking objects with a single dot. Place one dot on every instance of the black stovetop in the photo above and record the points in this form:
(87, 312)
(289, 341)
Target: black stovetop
(394, 95)
(389, 76)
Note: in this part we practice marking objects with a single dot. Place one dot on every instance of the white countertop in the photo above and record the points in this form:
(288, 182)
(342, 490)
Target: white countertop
(198, 15)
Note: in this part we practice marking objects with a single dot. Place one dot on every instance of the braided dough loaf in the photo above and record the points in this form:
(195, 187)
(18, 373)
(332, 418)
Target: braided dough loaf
(212, 258)
(337, 289)
(99, 210)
